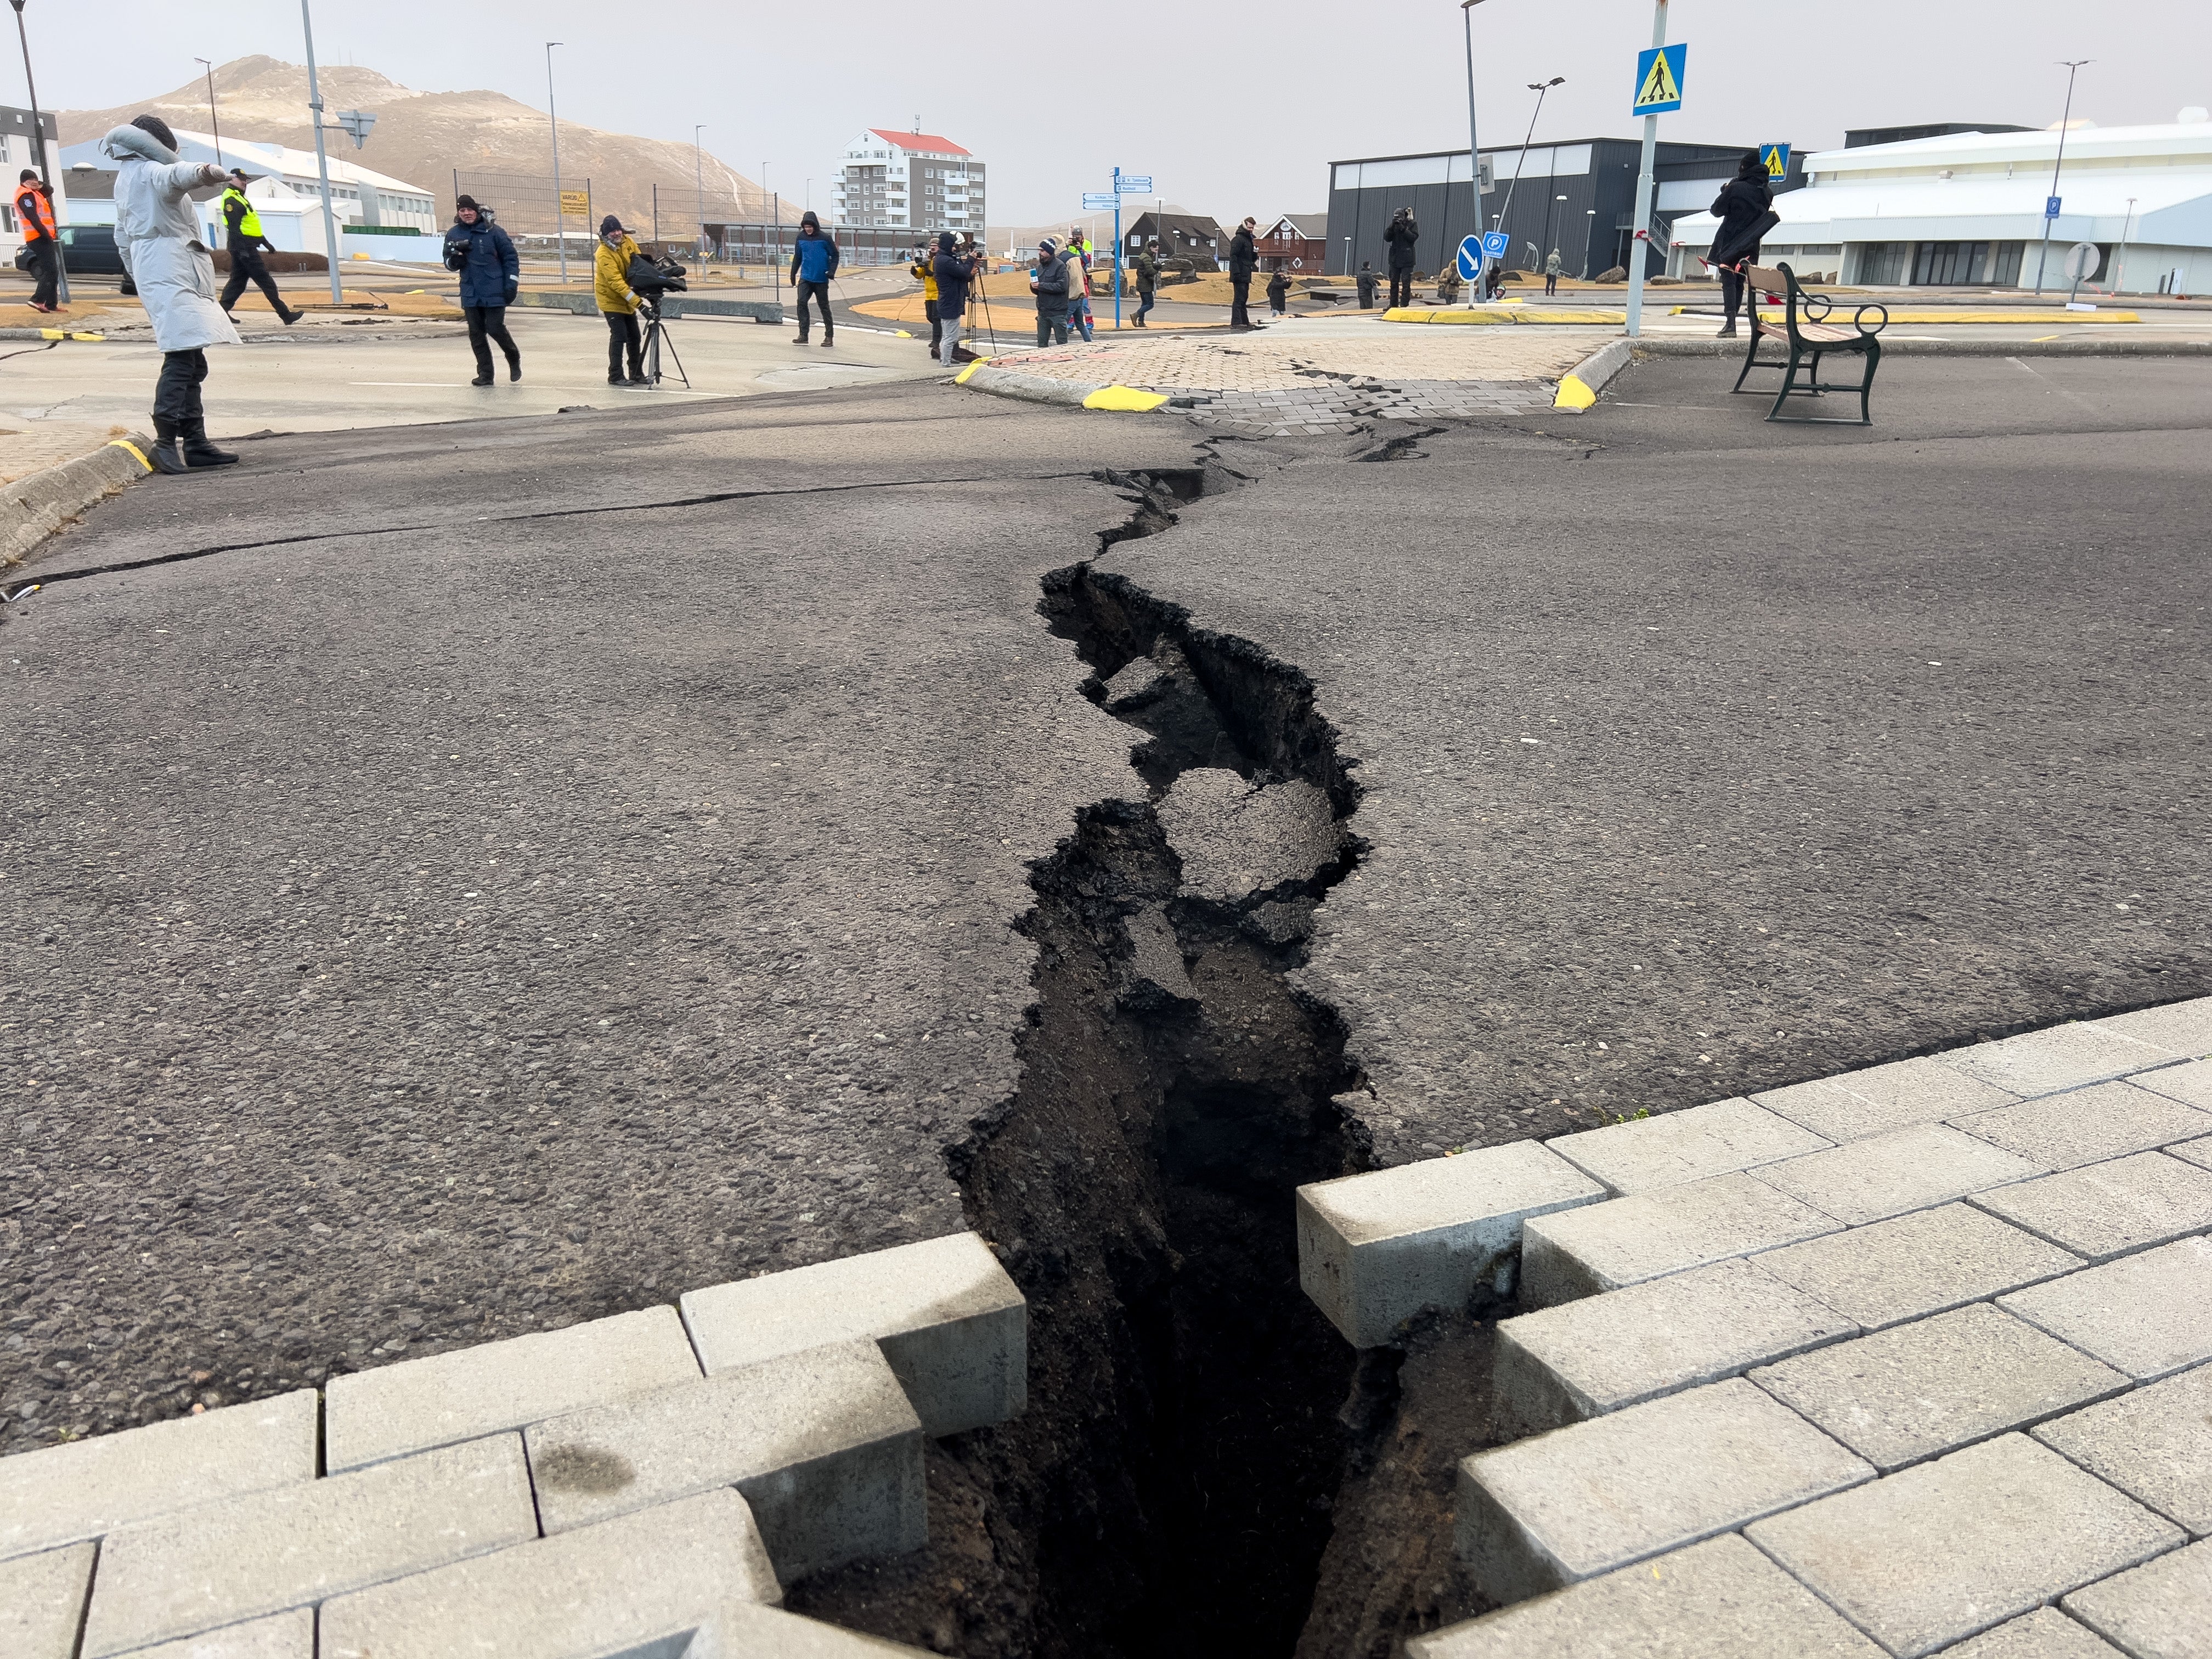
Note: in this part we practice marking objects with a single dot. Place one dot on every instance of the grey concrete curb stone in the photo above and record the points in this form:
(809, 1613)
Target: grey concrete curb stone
(1718, 1600)
(32, 508)
(2161, 1611)
(952, 1325)
(2105, 347)
(62, 1494)
(2149, 1314)
(1719, 1138)
(661, 1574)
(1602, 1247)
(417, 1404)
(289, 1635)
(1598, 368)
(42, 1602)
(1034, 388)
(1374, 1250)
(2155, 1445)
(2046, 1633)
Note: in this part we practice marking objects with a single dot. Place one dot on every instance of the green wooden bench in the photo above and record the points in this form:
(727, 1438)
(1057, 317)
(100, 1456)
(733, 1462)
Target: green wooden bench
(1804, 328)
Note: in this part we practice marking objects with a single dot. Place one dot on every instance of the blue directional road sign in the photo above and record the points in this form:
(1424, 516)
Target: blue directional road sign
(1134, 184)
(1470, 258)
(2051, 207)
(1659, 79)
(1100, 201)
(1775, 158)
(1496, 244)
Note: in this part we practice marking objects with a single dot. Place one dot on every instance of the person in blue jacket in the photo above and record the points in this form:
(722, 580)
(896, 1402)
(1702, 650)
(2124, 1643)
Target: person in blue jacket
(490, 273)
(814, 259)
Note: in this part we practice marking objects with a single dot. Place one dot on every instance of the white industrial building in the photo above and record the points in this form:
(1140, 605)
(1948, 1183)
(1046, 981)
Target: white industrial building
(378, 215)
(1966, 208)
(908, 180)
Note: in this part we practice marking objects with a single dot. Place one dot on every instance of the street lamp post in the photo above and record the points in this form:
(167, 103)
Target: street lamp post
(322, 160)
(1473, 147)
(1548, 212)
(553, 119)
(2073, 67)
(2120, 258)
(1540, 87)
(1590, 222)
(699, 184)
(214, 126)
(38, 148)
(1640, 232)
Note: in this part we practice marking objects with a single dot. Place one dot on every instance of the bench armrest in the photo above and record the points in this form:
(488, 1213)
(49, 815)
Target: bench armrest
(1858, 318)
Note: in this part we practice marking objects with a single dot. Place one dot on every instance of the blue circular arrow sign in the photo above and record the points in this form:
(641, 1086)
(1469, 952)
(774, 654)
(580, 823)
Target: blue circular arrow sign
(1470, 257)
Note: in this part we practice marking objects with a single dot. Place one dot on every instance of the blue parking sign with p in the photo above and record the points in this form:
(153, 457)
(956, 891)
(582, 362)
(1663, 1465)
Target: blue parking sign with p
(1496, 244)
(1470, 258)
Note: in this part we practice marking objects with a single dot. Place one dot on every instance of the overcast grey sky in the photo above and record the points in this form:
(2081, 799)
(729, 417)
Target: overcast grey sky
(1234, 109)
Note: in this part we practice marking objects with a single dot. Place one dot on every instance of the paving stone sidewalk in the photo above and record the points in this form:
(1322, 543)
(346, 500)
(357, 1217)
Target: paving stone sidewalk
(1916, 1360)
(1322, 374)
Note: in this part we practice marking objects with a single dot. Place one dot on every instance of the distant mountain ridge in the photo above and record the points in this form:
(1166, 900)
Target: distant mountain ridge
(423, 138)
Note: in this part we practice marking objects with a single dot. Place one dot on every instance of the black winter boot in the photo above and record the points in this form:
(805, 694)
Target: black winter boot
(515, 367)
(198, 451)
(168, 456)
(291, 316)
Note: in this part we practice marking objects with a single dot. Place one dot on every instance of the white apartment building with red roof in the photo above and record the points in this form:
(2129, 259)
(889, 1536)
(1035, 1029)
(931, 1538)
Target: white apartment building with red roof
(909, 180)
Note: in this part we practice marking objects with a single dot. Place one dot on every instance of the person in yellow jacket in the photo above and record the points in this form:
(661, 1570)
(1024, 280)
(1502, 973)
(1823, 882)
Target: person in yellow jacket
(618, 301)
(924, 268)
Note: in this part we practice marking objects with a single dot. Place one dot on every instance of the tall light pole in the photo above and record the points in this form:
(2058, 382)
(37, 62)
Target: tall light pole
(213, 125)
(699, 184)
(1589, 224)
(1639, 237)
(1473, 148)
(322, 161)
(560, 217)
(1540, 87)
(2120, 259)
(39, 147)
(2073, 67)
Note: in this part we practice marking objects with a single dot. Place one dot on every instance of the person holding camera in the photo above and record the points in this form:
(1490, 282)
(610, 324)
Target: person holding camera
(954, 271)
(491, 274)
(815, 257)
(243, 239)
(618, 301)
(924, 271)
(1403, 237)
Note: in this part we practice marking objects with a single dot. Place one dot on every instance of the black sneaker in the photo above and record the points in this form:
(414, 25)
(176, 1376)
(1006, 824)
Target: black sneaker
(480, 379)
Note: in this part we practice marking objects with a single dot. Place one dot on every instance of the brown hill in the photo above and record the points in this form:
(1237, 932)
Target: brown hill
(500, 147)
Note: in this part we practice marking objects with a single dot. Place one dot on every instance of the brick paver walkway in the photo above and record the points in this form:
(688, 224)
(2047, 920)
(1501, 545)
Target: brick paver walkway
(1907, 1361)
(1321, 374)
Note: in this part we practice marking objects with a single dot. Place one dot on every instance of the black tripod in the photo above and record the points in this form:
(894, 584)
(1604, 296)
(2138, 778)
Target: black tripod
(656, 331)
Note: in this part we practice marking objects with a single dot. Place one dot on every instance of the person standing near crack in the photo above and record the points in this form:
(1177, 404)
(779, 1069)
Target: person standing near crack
(491, 275)
(158, 236)
(1244, 260)
(1404, 238)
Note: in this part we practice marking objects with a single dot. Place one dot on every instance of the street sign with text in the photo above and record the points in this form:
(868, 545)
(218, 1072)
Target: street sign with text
(575, 204)
(1659, 79)
(1134, 184)
(1100, 201)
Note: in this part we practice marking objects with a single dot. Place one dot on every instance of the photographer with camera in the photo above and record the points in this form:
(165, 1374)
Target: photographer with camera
(954, 271)
(618, 301)
(490, 274)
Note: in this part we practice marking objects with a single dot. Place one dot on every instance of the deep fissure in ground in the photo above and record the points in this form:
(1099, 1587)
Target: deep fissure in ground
(1170, 1489)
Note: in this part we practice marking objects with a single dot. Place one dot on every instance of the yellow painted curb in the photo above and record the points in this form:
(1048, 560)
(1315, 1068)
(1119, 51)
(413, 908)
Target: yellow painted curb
(1124, 397)
(87, 336)
(1489, 316)
(1844, 308)
(1573, 394)
(138, 454)
(961, 379)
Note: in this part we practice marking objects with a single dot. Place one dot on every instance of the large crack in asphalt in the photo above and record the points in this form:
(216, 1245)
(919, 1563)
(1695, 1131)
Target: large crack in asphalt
(1170, 1489)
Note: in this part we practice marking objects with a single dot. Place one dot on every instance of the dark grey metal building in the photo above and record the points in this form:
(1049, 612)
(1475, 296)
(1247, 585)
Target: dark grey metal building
(1579, 197)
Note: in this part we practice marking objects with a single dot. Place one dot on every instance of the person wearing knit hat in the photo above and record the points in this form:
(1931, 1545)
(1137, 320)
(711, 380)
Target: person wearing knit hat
(618, 301)
(491, 275)
(1049, 282)
(157, 232)
(815, 257)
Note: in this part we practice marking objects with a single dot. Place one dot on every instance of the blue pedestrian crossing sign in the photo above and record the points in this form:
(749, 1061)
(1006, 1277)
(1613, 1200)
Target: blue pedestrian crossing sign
(1470, 258)
(1659, 79)
(1775, 158)
(1496, 244)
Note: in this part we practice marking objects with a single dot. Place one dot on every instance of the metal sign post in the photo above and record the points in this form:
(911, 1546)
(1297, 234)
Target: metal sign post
(1658, 89)
(322, 161)
(2051, 201)
(1124, 184)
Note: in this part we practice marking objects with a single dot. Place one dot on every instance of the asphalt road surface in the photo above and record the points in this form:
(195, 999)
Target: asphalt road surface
(545, 866)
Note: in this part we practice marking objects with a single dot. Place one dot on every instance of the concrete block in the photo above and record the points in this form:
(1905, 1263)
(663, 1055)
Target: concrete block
(42, 1602)
(1605, 1352)
(2184, 1027)
(2111, 1209)
(2161, 1611)
(1587, 1499)
(1880, 1098)
(497, 1386)
(660, 1575)
(1374, 1250)
(2086, 1126)
(949, 1320)
(1675, 1147)
(2060, 1057)
(825, 1445)
(62, 1494)
(1902, 1396)
(2191, 1085)
(1946, 1550)
(1602, 1246)
(1887, 1174)
(1912, 1266)
(1718, 1600)
(2198, 1152)
(280, 1636)
(226, 1562)
(2154, 1444)
(2150, 1315)
(2046, 1633)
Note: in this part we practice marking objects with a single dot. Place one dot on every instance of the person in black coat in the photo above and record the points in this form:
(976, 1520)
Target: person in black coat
(1403, 238)
(1244, 260)
(1744, 201)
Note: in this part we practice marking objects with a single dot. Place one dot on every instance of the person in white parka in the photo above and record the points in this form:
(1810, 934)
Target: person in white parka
(158, 235)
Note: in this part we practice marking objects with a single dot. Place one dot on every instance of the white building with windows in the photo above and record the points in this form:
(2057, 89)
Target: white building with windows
(1967, 209)
(908, 180)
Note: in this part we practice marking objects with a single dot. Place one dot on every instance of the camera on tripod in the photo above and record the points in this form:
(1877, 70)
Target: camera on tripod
(650, 279)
